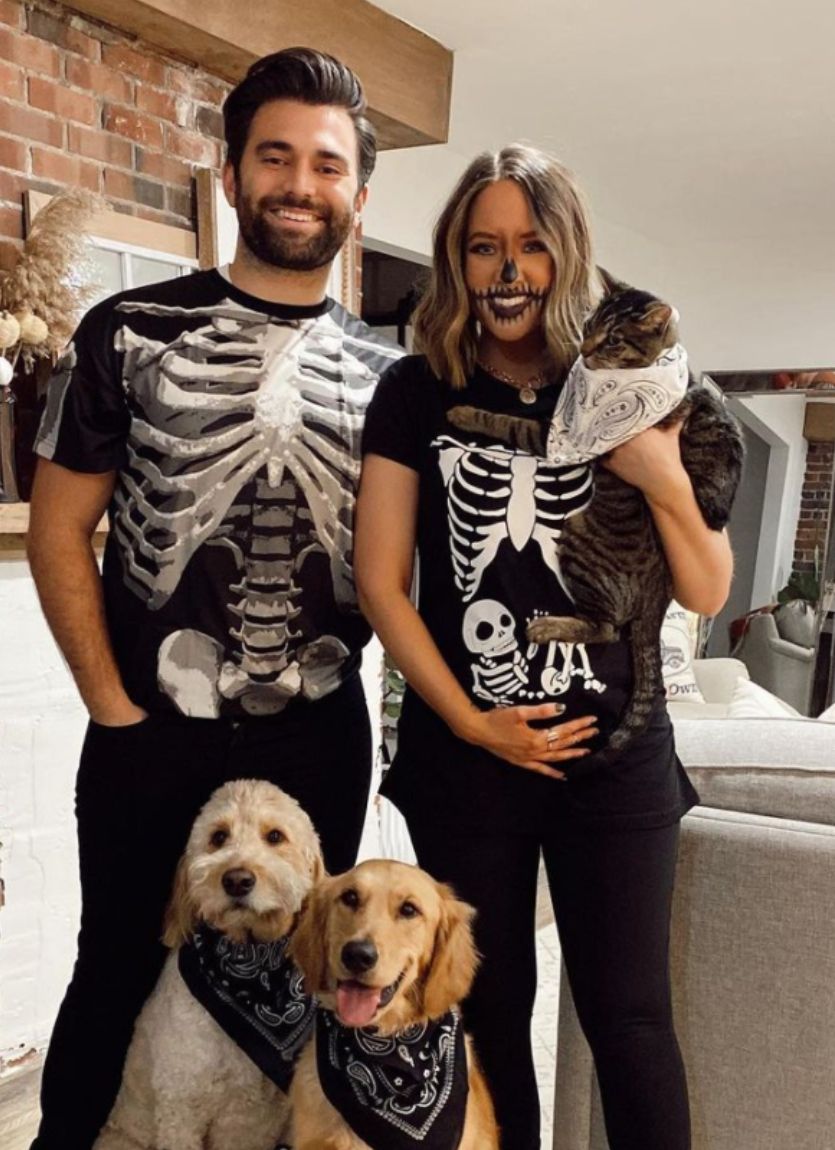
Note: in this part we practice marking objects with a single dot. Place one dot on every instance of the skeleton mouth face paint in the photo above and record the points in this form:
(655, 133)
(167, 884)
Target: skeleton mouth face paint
(507, 268)
(505, 306)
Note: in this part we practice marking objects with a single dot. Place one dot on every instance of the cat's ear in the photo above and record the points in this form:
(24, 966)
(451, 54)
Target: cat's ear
(657, 318)
(608, 282)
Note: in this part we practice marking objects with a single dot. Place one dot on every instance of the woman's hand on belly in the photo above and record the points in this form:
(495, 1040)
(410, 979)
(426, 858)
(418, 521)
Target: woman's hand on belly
(507, 733)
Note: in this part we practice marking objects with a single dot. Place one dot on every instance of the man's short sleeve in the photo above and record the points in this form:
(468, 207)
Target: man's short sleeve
(395, 423)
(86, 421)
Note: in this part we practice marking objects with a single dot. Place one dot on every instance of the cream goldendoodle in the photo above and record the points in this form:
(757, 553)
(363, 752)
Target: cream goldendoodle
(229, 1005)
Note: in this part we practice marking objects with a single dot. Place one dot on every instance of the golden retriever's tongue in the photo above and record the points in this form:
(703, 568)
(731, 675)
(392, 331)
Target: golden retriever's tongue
(356, 1004)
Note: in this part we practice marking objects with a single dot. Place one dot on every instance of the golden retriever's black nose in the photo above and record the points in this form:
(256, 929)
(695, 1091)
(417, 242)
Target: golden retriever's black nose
(238, 882)
(359, 955)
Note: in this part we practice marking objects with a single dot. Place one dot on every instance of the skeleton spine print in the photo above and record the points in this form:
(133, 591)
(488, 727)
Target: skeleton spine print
(243, 456)
(499, 498)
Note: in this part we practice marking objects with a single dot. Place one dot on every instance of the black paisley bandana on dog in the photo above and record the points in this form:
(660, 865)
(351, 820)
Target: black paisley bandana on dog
(397, 1093)
(255, 994)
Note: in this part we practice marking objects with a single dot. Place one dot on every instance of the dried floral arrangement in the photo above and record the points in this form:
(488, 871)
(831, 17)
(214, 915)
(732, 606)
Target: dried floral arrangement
(53, 280)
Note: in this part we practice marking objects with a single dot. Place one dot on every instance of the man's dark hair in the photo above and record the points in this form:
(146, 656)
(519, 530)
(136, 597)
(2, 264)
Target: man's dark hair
(305, 75)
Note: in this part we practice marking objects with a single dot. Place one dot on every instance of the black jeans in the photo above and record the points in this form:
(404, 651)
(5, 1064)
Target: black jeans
(138, 791)
(611, 892)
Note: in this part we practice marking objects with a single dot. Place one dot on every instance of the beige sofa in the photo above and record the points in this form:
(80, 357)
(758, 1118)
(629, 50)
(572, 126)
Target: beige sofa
(753, 945)
(779, 651)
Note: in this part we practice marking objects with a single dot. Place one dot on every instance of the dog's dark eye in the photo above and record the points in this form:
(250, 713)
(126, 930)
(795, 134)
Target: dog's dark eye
(218, 838)
(350, 898)
(409, 910)
(274, 836)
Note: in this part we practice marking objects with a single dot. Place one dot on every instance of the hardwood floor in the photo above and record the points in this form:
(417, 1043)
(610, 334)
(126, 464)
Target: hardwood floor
(19, 1109)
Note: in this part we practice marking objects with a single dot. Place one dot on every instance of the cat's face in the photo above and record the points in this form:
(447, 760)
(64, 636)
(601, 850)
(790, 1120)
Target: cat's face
(507, 268)
(628, 328)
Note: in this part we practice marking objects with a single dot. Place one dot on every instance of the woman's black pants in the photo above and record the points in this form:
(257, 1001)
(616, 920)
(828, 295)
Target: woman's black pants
(138, 791)
(611, 891)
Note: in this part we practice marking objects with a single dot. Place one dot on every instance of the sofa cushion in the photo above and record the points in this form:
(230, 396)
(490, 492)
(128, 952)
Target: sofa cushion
(784, 768)
(678, 710)
(751, 701)
(797, 622)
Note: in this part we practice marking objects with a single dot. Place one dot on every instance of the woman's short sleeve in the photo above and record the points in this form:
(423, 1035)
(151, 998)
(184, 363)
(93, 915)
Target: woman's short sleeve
(396, 420)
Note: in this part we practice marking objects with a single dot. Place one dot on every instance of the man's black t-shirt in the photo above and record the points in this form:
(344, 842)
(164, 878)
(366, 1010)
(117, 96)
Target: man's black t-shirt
(234, 426)
(488, 532)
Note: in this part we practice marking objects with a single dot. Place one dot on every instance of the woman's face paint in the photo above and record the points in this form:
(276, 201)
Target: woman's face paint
(507, 268)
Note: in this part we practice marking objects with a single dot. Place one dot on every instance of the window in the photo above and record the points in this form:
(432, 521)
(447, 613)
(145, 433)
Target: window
(128, 251)
(123, 265)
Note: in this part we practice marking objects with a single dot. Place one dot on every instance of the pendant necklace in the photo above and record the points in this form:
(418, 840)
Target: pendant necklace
(527, 391)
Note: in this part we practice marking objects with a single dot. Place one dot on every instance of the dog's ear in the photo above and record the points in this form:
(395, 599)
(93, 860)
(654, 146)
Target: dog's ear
(308, 943)
(317, 867)
(454, 957)
(180, 919)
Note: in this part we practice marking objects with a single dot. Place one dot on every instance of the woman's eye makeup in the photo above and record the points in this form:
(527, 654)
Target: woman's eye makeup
(483, 248)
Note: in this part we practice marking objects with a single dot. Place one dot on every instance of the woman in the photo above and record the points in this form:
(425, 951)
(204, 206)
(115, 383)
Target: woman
(483, 772)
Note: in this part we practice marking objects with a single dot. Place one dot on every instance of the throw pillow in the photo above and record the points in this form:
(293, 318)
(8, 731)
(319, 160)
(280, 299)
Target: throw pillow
(797, 622)
(751, 701)
(677, 657)
(827, 716)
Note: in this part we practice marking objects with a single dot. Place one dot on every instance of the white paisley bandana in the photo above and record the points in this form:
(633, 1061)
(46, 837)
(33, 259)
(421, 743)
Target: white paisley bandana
(255, 993)
(403, 1092)
(601, 408)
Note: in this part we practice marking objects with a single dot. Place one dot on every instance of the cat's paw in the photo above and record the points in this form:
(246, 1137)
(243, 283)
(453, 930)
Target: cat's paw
(559, 628)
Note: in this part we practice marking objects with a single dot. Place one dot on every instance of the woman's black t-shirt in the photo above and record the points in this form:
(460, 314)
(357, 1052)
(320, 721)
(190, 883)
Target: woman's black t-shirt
(488, 531)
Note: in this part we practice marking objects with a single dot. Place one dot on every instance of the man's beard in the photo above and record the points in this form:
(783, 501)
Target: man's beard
(269, 244)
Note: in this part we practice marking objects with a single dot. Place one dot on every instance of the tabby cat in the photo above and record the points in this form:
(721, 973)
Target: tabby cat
(611, 558)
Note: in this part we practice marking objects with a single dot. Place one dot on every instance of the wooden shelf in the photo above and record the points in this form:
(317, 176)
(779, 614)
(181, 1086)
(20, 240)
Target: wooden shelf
(14, 523)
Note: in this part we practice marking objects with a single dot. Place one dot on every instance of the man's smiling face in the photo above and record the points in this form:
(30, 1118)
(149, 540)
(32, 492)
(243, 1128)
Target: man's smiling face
(296, 191)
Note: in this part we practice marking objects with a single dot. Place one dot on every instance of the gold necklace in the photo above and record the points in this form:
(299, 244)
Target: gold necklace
(527, 390)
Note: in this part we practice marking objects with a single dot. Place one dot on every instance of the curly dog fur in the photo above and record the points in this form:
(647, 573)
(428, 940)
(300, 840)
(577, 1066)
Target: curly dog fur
(186, 1085)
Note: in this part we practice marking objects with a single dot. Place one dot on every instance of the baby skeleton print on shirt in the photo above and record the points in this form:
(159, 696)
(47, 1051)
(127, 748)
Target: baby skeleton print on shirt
(500, 497)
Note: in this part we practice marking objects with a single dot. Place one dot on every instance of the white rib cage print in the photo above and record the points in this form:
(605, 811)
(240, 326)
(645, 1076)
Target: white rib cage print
(495, 494)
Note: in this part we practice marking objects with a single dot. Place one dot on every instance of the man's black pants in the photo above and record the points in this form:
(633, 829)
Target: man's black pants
(137, 794)
(611, 891)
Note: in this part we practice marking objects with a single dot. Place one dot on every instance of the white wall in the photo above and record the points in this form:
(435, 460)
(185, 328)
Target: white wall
(777, 419)
(41, 729)
(755, 303)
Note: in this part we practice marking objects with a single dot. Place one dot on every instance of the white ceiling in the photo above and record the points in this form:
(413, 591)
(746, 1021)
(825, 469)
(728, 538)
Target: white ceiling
(704, 120)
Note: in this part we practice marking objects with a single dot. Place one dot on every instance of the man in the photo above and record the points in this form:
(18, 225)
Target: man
(218, 417)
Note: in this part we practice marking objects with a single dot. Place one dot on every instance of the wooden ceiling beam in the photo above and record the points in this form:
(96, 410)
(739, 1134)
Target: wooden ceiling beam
(407, 76)
(819, 421)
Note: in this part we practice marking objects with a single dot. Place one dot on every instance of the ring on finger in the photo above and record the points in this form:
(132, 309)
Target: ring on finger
(552, 737)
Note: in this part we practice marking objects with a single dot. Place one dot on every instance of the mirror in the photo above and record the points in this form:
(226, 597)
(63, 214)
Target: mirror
(781, 530)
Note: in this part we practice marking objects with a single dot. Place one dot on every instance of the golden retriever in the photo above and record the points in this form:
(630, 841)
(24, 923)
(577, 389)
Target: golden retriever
(386, 947)
(251, 858)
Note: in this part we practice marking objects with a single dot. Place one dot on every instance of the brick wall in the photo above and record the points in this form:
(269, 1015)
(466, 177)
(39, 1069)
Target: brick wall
(814, 506)
(81, 104)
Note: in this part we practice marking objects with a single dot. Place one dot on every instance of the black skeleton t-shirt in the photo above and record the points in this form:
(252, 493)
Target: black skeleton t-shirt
(488, 536)
(234, 426)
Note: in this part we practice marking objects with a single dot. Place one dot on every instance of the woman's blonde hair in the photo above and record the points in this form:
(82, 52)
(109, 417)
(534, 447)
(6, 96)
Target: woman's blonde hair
(445, 328)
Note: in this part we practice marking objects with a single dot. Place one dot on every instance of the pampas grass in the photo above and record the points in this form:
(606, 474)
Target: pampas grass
(54, 278)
